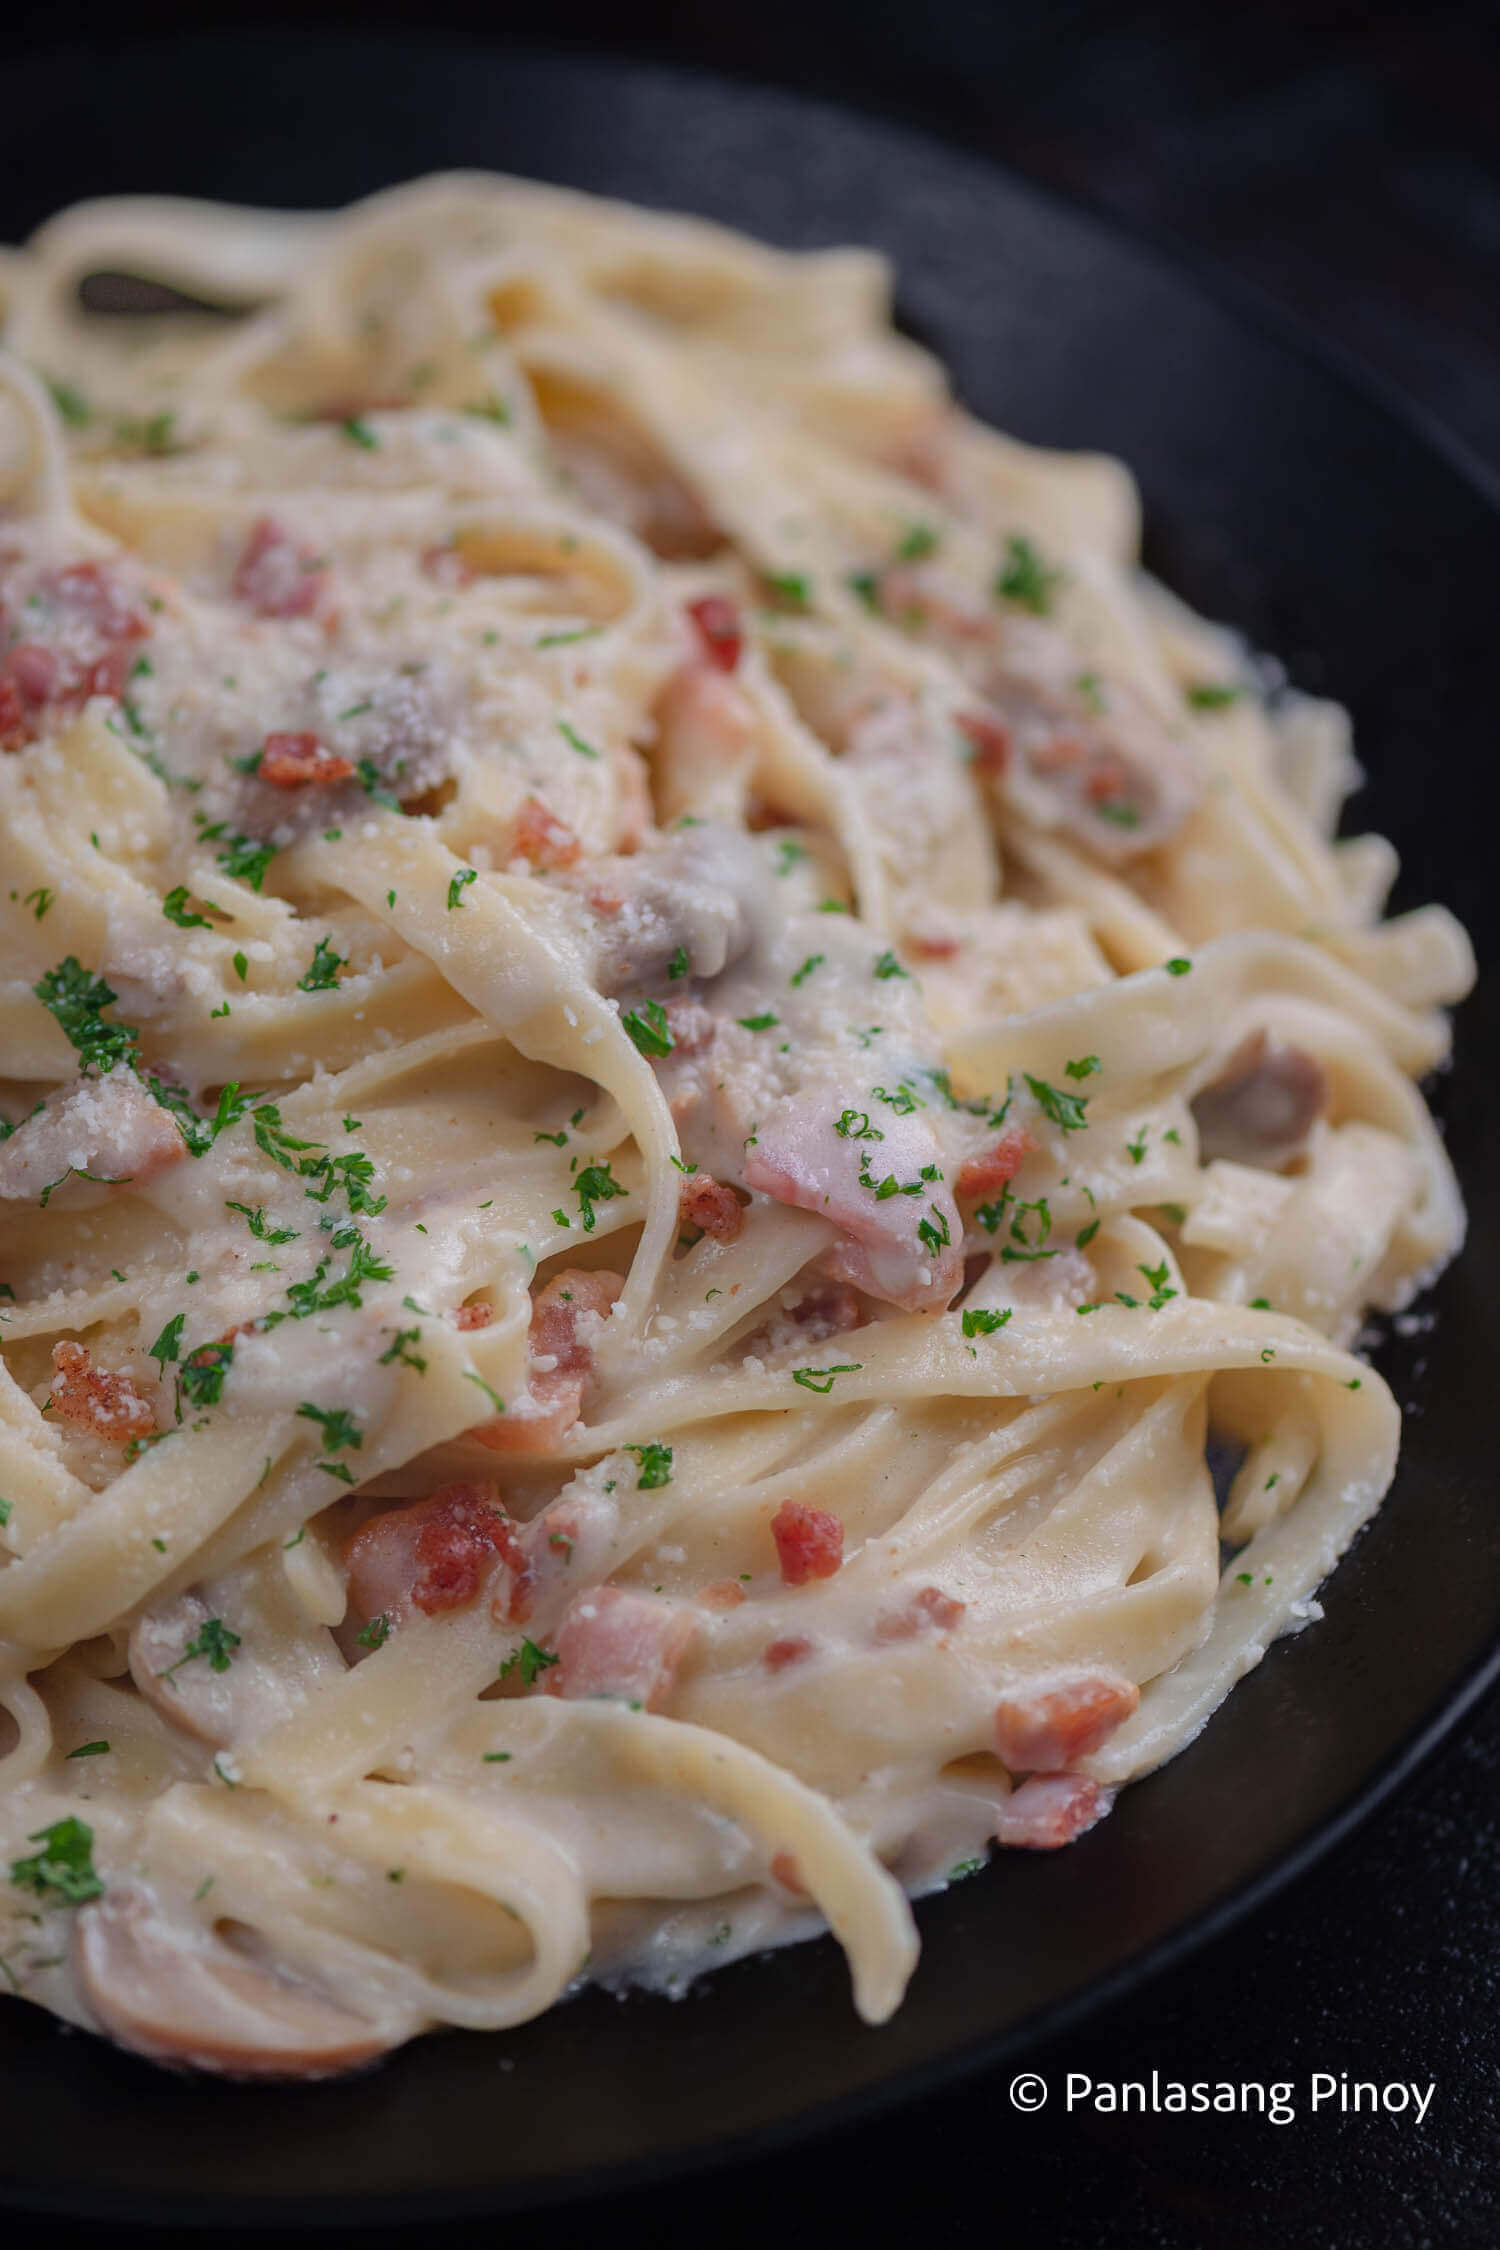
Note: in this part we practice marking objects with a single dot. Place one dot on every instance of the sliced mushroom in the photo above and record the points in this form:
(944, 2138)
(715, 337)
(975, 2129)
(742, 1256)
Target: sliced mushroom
(1262, 1105)
(182, 1996)
(257, 1656)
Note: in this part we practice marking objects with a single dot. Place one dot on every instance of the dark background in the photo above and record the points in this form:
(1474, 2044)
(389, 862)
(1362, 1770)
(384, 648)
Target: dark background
(1345, 163)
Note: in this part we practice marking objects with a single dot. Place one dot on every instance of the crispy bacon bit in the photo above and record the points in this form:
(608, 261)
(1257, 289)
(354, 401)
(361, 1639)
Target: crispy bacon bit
(989, 739)
(95, 624)
(809, 1542)
(605, 896)
(723, 1593)
(277, 575)
(996, 1167)
(779, 1654)
(933, 945)
(449, 565)
(436, 1554)
(1042, 1728)
(929, 1610)
(717, 623)
(788, 1873)
(541, 838)
(1051, 1810)
(112, 1406)
(614, 1642)
(474, 1316)
(560, 1365)
(710, 1205)
(293, 761)
(15, 724)
(107, 1129)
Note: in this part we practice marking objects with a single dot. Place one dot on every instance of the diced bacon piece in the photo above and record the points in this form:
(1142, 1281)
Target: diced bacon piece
(474, 1316)
(929, 1610)
(706, 744)
(1053, 1723)
(809, 1542)
(619, 1643)
(277, 576)
(113, 1406)
(933, 945)
(723, 1593)
(1050, 1810)
(16, 729)
(93, 594)
(436, 1555)
(717, 624)
(790, 1650)
(708, 1204)
(541, 838)
(560, 1364)
(787, 1871)
(996, 1167)
(987, 737)
(449, 565)
(35, 670)
(296, 761)
(106, 1128)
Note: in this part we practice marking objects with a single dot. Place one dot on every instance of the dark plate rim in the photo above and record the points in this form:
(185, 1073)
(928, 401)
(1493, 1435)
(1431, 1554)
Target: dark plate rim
(1251, 307)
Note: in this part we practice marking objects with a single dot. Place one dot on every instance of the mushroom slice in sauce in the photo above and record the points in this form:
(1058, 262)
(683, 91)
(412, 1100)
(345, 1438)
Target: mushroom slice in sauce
(257, 1656)
(1262, 1106)
(184, 1997)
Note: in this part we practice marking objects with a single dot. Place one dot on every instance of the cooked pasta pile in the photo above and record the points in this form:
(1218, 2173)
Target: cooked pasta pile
(668, 1047)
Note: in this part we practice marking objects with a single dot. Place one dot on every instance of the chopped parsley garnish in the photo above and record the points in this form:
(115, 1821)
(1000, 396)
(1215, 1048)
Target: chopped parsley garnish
(213, 1639)
(655, 1466)
(459, 884)
(256, 1221)
(648, 1027)
(400, 1349)
(595, 1184)
(323, 969)
(789, 853)
(813, 961)
(530, 1661)
(358, 431)
(1025, 579)
(678, 965)
(340, 1429)
(1119, 812)
(758, 1023)
(176, 909)
(241, 856)
(821, 1379)
(76, 1000)
(168, 1345)
(376, 1633)
(981, 1323)
(90, 1750)
(202, 1377)
(932, 1232)
(854, 1125)
(1085, 1235)
(65, 1864)
(889, 966)
(241, 966)
(1156, 1277)
(1136, 1149)
(70, 403)
(575, 740)
(1065, 1110)
(1210, 695)
(1178, 967)
(273, 1140)
(917, 544)
(790, 588)
(311, 1296)
(39, 900)
(1085, 1066)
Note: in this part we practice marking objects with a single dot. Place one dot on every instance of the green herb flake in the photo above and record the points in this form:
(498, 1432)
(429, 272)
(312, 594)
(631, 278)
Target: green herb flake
(655, 1463)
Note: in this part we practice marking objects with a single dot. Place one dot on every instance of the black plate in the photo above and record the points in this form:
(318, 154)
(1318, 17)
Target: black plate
(1281, 495)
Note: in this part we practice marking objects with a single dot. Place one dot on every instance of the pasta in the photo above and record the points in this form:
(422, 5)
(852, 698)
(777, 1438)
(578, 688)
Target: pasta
(678, 1067)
